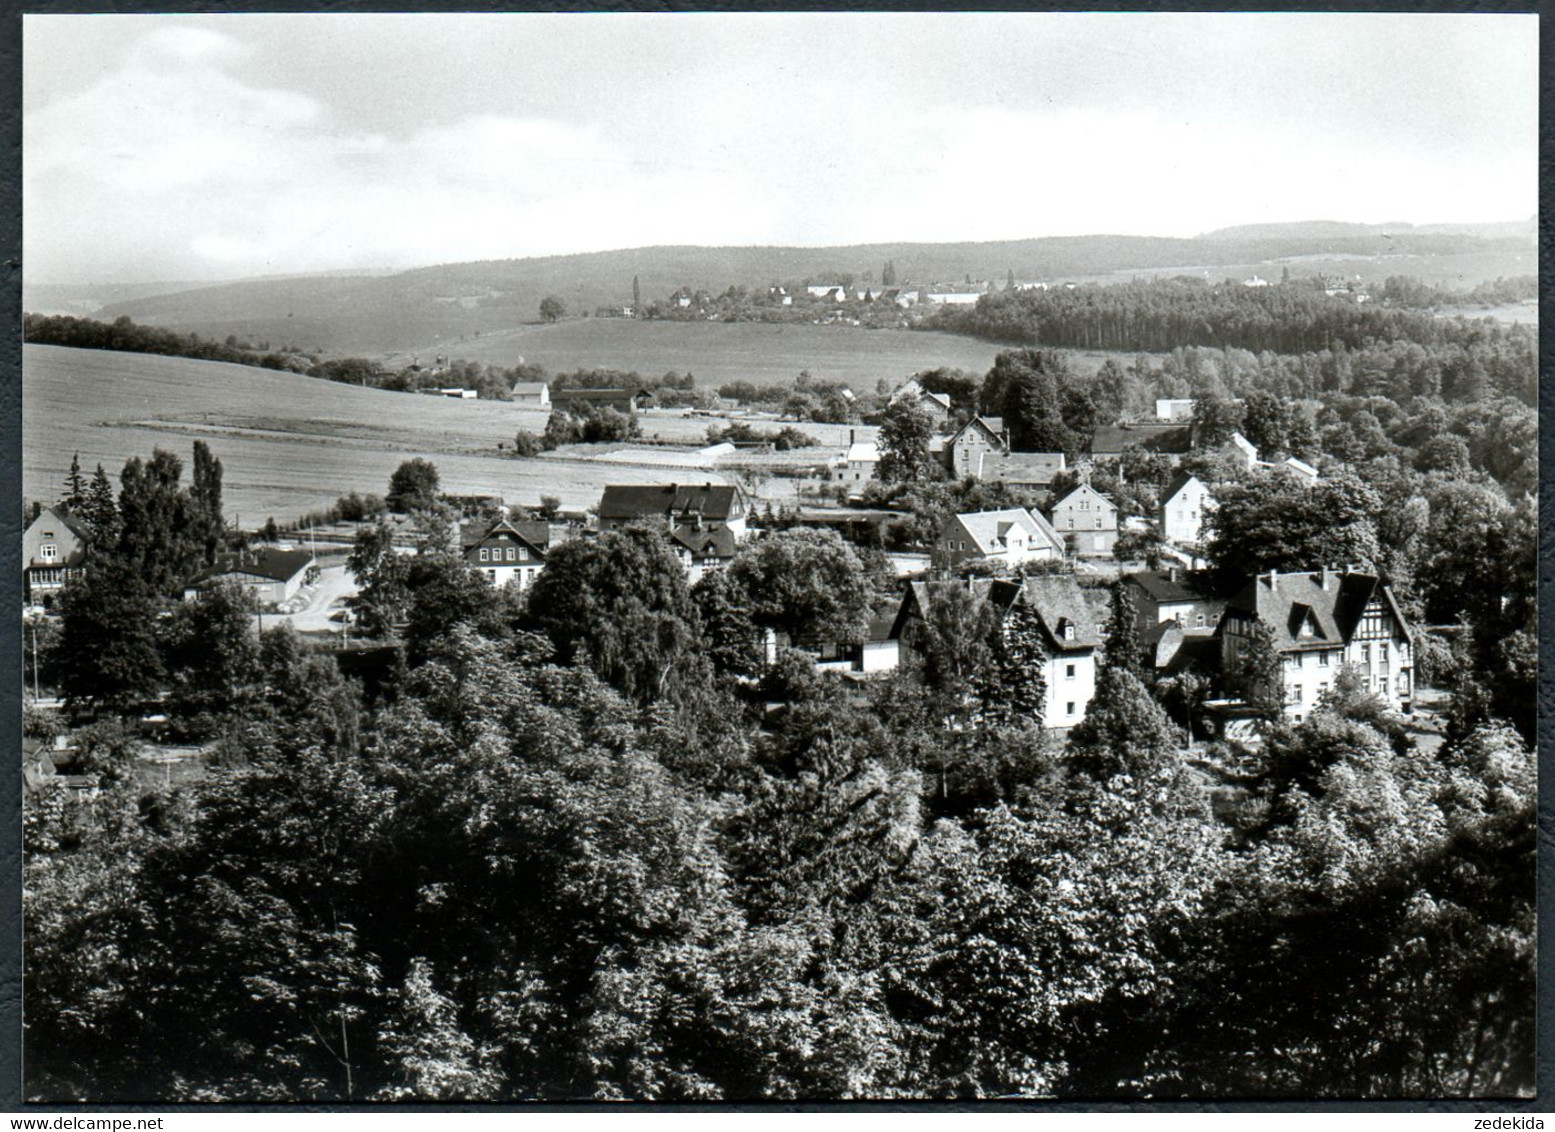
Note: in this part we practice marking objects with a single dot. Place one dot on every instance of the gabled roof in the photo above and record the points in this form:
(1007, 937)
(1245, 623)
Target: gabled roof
(711, 501)
(989, 530)
(863, 452)
(529, 388)
(1087, 491)
(705, 542)
(535, 533)
(1177, 483)
(59, 516)
(1058, 600)
(266, 562)
(940, 399)
(984, 425)
(1297, 599)
(1163, 586)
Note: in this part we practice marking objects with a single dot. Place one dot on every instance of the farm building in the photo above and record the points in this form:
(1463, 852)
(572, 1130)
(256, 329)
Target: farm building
(707, 505)
(622, 400)
(535, 394)
(272, 574)
(856, 466)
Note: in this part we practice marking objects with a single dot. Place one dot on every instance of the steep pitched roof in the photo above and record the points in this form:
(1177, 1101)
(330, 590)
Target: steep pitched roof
(1332, 613)
(985, 425)
(1167, 585)
(1176, 484)
(1084, 491)
(536, 533)
(711, 502)
(1058, 601)
(705, 542)
(267, 562)
(63, 518)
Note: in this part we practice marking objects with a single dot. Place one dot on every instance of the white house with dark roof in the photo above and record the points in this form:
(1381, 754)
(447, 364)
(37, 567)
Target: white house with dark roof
(1069, 626)
(1185, 504)
(272, 574)
(1010, 536)
(508, 552)
(1322, 621)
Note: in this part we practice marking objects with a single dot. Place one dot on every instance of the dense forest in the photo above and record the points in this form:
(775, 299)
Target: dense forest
(1163, 315)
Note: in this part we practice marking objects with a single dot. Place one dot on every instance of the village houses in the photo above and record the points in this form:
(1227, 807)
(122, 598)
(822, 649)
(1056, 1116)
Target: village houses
(1008, 537)
(1185, 504)
(1090, 519)
(508, 552)
(272, 574)
(1322, 621)
(706, 505)
(53, 552)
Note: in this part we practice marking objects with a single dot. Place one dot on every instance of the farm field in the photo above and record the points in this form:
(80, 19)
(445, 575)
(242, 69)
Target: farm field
(761, 353)
(288, 444)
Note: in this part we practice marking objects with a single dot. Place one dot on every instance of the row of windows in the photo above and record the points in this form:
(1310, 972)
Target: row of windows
(515, 554)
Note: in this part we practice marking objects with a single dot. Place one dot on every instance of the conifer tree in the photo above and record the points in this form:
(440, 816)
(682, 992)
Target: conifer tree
(75, 498)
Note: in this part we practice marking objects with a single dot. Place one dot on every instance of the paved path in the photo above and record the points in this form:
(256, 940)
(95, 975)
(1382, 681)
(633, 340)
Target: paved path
(335, 584)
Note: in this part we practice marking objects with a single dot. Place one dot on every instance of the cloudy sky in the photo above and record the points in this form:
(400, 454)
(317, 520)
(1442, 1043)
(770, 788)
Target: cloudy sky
(202, 147)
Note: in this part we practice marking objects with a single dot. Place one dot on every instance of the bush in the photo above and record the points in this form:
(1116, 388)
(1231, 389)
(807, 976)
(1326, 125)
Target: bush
(526, 443)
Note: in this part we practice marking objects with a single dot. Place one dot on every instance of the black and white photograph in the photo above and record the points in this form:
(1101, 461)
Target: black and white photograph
(799, 557)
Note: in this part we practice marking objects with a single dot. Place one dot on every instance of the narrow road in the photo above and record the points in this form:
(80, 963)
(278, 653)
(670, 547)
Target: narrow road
(335, 584)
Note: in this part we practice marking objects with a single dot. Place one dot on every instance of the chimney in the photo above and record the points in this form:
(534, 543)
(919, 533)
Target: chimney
(1172, 573)
(1327, 576)
(1274, 581)
(852, 434)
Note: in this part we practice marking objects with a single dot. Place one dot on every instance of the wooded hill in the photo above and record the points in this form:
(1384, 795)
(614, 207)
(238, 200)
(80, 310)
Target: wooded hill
(374, 313)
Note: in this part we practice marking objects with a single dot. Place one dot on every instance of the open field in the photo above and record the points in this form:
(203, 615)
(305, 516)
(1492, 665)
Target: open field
(288, 444)
(758, 352)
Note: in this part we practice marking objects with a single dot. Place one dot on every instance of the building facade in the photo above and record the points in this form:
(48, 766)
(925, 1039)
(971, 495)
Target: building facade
(507, 553)
(1322, 622)
(1010, 536)
(1090, 519)
(53, 552)
(1185, 504)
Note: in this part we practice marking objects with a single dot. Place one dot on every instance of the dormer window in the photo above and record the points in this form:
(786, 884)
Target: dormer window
(1068, 630)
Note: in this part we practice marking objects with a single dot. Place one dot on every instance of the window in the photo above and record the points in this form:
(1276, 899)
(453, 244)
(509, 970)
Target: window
(1068, 672)
(1070, 521)
(1201, 620)
(1322, 687)
(1300, 660)
(1295, 694)
(1322, 659)
(1068, 632)
(512, 553)
(48, 552)
(1069, 708)
(1366, 655)
(492, 576)
(484, 554)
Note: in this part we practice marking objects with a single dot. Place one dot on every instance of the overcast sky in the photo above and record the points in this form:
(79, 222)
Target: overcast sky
(201, 147)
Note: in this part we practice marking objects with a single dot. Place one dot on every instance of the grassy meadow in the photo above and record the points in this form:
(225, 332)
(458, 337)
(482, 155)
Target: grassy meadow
(288, 444)
(761, 353)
